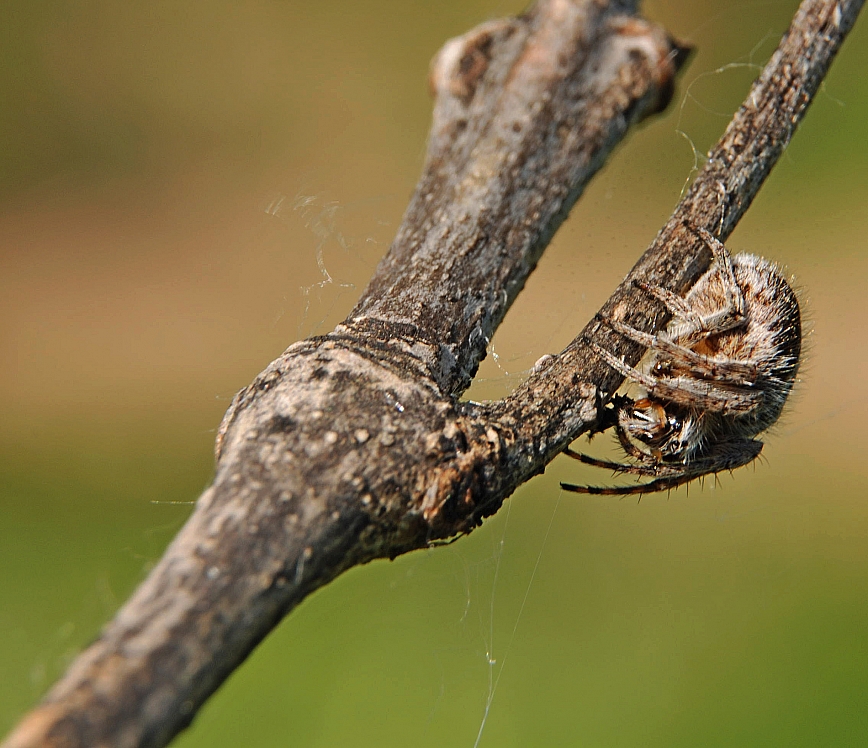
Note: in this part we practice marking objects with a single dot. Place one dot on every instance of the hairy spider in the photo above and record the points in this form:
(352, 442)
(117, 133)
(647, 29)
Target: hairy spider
(716, 378)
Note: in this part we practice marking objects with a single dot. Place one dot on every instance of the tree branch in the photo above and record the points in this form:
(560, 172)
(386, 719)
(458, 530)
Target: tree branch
(353, 446)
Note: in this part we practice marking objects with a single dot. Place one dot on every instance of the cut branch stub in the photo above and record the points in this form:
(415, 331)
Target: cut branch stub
(526, 111)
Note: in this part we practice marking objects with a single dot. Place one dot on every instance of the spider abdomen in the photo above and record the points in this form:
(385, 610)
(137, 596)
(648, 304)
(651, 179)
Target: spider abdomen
(768, 341)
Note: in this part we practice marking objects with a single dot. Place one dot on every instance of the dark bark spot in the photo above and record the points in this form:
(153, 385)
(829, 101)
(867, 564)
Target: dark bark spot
(280, 424)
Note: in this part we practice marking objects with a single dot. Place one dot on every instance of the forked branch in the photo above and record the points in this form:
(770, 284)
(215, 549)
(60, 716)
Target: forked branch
(354, 446)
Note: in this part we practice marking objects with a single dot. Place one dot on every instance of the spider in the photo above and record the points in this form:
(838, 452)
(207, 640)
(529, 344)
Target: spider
(716, 378)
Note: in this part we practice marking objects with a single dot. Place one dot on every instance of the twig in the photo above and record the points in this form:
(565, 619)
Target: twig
(353, 446)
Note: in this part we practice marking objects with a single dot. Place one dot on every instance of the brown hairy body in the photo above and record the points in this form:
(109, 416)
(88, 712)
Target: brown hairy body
(716, 378)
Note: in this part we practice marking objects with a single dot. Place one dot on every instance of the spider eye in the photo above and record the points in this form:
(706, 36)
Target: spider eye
(661, 368)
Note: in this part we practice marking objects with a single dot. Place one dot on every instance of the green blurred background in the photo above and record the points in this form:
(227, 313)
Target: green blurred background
(187, 188)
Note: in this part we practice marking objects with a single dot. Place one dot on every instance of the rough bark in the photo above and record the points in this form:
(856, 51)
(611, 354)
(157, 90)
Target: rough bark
(353, 446)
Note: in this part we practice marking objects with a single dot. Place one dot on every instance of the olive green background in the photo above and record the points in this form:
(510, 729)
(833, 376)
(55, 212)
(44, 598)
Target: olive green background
(187, 188)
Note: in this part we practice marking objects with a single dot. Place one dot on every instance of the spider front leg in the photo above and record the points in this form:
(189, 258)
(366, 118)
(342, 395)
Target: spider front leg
(660, 484)
(676, 305)
(691, 326)
(735, 303)
(722, 456)
(727, 372)
(615, 467)
(687, 391)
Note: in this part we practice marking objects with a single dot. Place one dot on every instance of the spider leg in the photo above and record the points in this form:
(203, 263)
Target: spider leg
(733, 313)
(724, 456)
(695, 327)
(617, 467)
(730, 372)
(726, 373)
(723, 258)
(703, 396)
(687, 392)
(660, 484)
(629, 446)
(671, 300)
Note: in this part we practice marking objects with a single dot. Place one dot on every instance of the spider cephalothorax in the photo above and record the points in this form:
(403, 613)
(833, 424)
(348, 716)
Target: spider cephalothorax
(715, 379)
